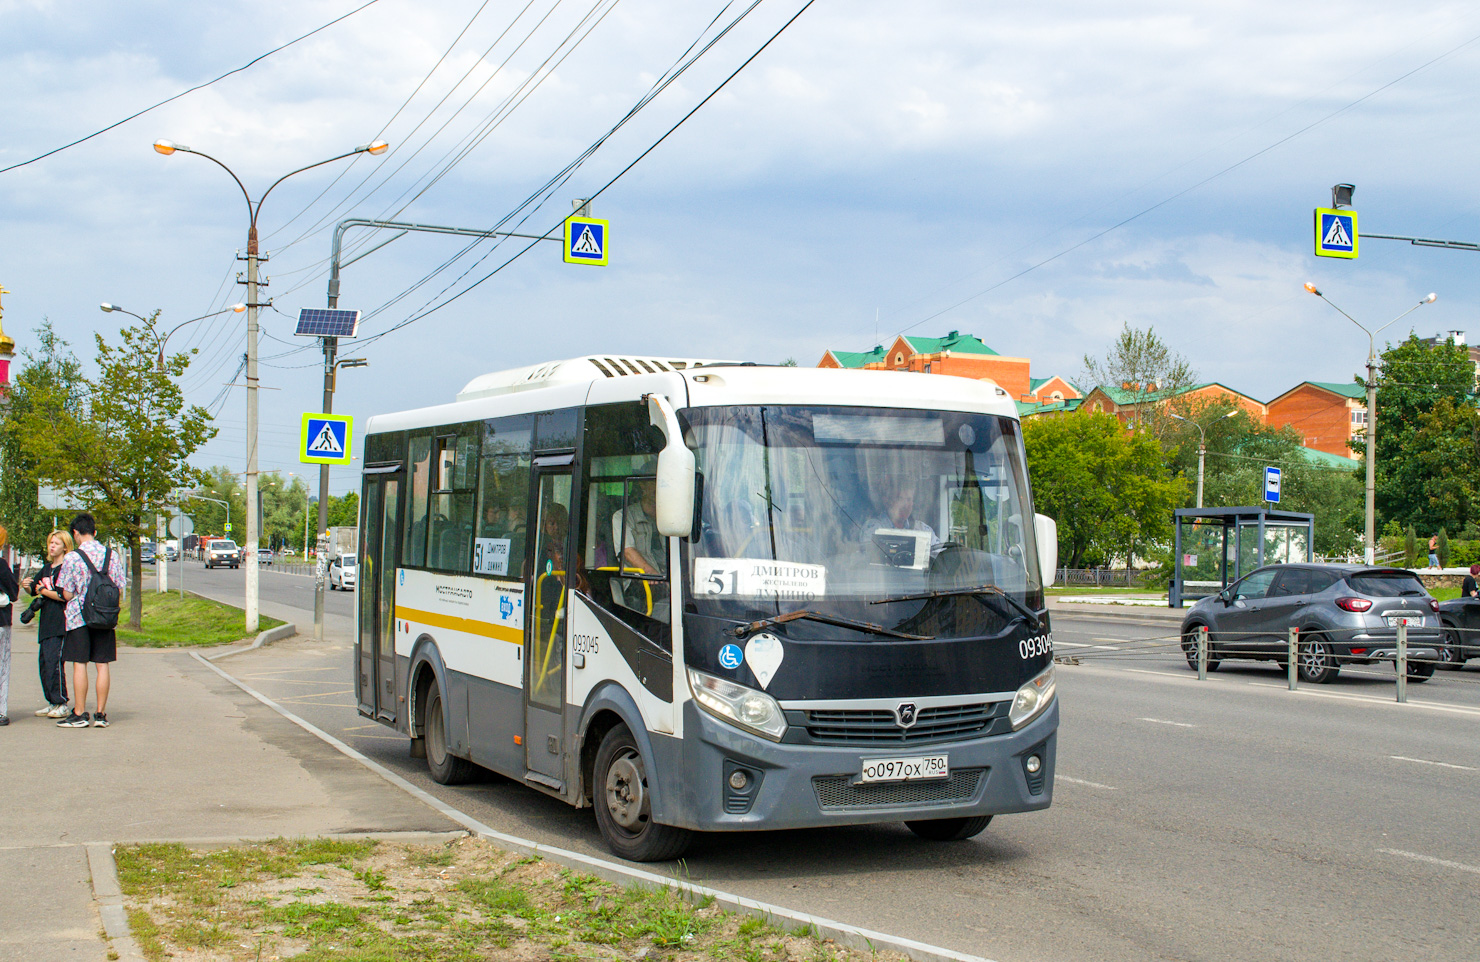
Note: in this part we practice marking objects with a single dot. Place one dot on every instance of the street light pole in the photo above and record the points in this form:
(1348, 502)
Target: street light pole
(1369, 528)
(161, 342)
(254, 208)
(1202, 447)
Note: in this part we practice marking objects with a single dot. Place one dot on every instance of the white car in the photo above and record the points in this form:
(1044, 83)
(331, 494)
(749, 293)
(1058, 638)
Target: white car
(342, 571)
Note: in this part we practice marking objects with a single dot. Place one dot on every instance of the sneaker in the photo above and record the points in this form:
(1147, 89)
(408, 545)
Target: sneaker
(59, 711)
(4, 720)
(100, 720)
(43, 712)
(75, 720)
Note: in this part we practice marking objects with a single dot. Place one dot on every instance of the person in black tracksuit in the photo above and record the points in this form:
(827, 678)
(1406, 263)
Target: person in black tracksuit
(52, 626)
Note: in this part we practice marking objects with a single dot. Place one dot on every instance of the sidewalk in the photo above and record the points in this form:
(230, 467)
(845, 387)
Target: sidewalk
(188, 756)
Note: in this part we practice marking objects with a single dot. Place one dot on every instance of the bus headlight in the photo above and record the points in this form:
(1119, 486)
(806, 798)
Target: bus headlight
(749, 709)
(1032, 699)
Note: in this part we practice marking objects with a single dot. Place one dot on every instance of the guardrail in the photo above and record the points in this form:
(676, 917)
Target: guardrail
(1203, 653)
(1101, 577)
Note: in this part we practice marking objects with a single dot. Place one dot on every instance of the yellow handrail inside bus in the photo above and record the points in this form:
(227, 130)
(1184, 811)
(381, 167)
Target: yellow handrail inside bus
(542, 658)
(646, 585)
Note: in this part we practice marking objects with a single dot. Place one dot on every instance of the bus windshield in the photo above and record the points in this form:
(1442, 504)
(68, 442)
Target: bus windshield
(841, 510)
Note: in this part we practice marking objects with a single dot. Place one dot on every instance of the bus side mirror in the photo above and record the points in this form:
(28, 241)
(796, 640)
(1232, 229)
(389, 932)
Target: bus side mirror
(676, 472)
(1046, 533)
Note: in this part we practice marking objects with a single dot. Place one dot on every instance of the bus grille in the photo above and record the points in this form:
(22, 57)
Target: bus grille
(878, 727)
(838, 791)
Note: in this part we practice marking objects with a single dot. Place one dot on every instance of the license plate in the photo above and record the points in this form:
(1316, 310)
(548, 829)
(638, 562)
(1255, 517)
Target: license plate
(904, 769)
(1412, 621)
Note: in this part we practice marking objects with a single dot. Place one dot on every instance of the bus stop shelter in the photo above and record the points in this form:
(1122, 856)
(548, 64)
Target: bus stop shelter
(1214, 547)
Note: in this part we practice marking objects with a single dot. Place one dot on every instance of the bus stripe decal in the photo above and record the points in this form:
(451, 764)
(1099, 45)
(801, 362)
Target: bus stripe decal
(469, 625)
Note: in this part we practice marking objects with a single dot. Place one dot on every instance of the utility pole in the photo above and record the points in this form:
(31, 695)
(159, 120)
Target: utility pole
(1202, 447)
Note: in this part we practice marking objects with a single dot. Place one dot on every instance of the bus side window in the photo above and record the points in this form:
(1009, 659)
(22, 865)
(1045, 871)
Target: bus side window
(452, 499)
(503, 493)
(625, 560)
(420, 484)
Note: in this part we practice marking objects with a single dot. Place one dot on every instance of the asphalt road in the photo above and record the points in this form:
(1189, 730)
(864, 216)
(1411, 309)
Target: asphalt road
(1217, 820)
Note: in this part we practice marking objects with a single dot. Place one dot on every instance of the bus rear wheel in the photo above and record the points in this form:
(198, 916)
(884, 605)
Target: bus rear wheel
(623, 803)
(950, 829)
(445, 767)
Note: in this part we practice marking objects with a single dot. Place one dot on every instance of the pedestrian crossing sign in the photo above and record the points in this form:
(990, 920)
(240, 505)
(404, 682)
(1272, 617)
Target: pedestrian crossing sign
(585, 241)
(326, 438)
(1336, 233)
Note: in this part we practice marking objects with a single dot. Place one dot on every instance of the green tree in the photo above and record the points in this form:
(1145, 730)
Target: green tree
(1152, 369)
(344, 511)
(1241, 447)
(1109, 489)
(120, 441)
(52, 370)
(222, 484)
(1428, 437)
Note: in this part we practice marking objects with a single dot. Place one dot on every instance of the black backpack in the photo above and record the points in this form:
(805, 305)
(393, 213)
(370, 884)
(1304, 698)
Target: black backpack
(100, 603)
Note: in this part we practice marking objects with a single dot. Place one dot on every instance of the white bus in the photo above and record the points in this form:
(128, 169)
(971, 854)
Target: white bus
(709, 596)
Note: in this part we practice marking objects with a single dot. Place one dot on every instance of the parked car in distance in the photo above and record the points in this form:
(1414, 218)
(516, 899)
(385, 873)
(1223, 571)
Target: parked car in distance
(264, 556)
(342, 571)
(1346, 615)
(146, 553)
(222, 552)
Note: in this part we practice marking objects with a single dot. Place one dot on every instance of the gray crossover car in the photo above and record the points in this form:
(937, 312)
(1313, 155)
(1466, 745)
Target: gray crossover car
(1347, 614)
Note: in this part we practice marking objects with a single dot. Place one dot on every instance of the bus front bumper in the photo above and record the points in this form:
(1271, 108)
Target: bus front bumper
(805, 786)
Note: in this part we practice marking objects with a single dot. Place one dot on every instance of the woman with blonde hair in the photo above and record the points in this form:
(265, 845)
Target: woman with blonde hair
(9, 589)
(52, 627)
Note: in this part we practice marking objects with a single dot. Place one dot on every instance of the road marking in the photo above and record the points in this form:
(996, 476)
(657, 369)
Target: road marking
(1170, 674)
(1425, 761)
(1369, 699)
(1163, 721)
(866, 939)
(1080, 781)
(1461, 866)
(1070, 644)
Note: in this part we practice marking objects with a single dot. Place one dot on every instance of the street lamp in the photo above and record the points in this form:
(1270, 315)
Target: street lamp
(1370, 527)
(161, 342)
(1202, 446)
(168, 148)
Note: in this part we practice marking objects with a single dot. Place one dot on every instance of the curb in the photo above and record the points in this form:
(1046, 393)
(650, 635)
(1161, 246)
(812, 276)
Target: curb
(265, 638)
(853, 936)
(109, 899)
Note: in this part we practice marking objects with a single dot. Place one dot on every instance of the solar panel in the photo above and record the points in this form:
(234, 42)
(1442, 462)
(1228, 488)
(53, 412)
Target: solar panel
(318, 322)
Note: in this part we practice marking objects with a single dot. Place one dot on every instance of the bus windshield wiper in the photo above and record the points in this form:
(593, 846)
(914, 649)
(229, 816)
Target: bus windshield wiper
(976, 592)
(740, 631)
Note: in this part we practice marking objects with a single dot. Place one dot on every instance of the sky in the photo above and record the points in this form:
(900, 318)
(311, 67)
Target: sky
(1039, 175)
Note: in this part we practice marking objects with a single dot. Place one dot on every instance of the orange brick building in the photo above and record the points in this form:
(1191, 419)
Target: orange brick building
(960, 355)
(1327, 416)
(1126, 400)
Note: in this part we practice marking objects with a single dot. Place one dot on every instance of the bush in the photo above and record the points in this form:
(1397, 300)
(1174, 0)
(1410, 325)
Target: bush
(1443, 549)
(1410, 548)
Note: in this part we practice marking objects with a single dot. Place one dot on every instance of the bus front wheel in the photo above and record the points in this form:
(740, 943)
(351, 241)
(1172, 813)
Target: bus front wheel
(950, 829)
(445, 767)
(623, 803)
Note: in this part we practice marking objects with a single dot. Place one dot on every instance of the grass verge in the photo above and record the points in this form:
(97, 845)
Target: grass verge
(170, 621)
(316, 899)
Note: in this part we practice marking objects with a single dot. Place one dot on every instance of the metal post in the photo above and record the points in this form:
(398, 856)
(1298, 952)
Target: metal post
(331, 344)
(1403, 660)
(161, 565)
(252, 533)
(1202, 451)
(180, 513)
(1292, 655)
(1369, 527)
(1202, 653)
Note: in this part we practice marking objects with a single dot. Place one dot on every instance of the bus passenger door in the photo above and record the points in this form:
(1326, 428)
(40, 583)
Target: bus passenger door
(545, 624)
(375, 589)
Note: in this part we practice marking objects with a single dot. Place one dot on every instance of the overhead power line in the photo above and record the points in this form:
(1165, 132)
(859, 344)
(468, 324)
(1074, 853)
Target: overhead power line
(183, 93)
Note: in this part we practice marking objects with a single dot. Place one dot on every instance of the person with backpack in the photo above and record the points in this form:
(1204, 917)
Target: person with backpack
(91, 580)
